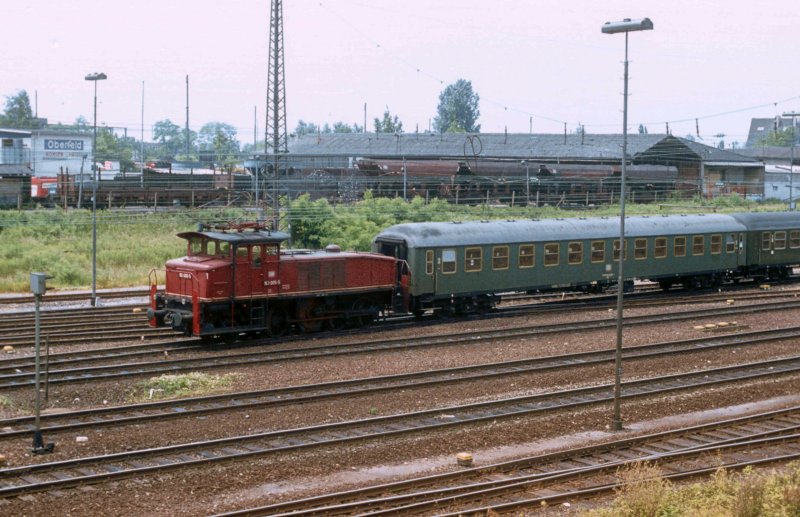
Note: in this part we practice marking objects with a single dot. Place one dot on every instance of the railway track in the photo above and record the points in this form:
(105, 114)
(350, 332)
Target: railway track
(81, 296)
(18, 373)
(192, 407)
(20, 480)
(85, 325)
(569, 475)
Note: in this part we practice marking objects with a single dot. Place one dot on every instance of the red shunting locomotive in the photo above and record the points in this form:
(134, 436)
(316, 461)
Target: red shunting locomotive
(236, 279)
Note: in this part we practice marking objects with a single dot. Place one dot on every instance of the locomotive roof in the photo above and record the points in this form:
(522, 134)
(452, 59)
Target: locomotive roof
(493, 232)
(239, 237)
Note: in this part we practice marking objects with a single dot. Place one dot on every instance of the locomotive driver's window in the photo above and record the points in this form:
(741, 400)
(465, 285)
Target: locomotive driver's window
(241, 253)
(223, 249)
(255, 255)
(272, 249)
(195, 246)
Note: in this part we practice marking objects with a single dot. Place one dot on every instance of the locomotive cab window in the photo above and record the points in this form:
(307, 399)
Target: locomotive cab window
(660, 248)
(500, 257)
(716, 244)
(196, 246)
(255, 255)
(241, 252)
(575, 255)
(679, 247)
(779, 242)
(640, 249)
(551, 251)
(271, 249)
(598, 251)
(698, 245)
(448, 261)
(794, 239)
(473, 259)
(526, 255)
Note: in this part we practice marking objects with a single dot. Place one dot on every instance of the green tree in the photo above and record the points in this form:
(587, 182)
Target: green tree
(219, 138)
(458, 109)
(306, 128)
(113, 148)
(18, 113)
(171, 140)
(389, 124)
(781, 138)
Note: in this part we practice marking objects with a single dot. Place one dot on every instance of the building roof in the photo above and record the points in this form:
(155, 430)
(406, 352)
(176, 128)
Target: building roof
(543, 147)
(15, 169)
(15, 133)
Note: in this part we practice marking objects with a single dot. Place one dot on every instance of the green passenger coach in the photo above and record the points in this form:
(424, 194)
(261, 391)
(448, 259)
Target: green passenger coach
(460, 267)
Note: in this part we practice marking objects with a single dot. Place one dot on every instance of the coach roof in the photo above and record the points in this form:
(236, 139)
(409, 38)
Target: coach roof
(432, 235)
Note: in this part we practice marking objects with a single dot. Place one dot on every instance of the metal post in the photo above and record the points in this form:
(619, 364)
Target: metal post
(38, 287)
(617, 422)
(95, 176)
(527, 183)
(625, 26)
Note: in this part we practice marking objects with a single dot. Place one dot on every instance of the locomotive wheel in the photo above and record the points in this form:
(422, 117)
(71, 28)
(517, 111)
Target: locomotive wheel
(277, 323)
(306, 311)
(362, 304)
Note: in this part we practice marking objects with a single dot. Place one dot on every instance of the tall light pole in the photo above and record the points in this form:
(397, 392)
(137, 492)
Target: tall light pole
(527, 183)
(792, 114)
(627, 25)
(94, 78)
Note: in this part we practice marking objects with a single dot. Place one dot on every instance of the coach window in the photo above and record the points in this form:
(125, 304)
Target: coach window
(429, 262)
(473, 259)
(698, 245)
(794, 239)
(660, 248)
(640, 249)
(448, 261)
(766, 240)
(679, 247)
(730, 243)
(598, 251)
(500, 257)
(716, 244)
(527, 258)
(616, 250)
(575, 255)
(255, 255)
(779, 243)
(551, 251)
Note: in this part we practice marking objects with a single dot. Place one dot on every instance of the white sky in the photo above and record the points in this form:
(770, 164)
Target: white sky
(541, 58)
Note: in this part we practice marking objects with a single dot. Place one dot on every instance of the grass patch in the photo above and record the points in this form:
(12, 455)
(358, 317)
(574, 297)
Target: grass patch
(6, 403)
(129, 245)
(749, 493)
(185, 385)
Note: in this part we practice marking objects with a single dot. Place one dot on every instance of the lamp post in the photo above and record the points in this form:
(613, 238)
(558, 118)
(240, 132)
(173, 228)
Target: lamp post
(94, 78)
(792, 114)
(627, 25)
(527, 183)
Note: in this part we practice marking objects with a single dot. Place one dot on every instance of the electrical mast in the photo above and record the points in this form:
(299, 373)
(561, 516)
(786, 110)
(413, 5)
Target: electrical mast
(275, 139)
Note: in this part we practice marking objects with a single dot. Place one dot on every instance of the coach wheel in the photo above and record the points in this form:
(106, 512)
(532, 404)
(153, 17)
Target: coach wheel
(306, 312)
(277, 324)
(665, 285)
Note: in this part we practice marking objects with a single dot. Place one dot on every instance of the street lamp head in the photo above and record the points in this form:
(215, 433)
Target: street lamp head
(627, 25)
(96, 76)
